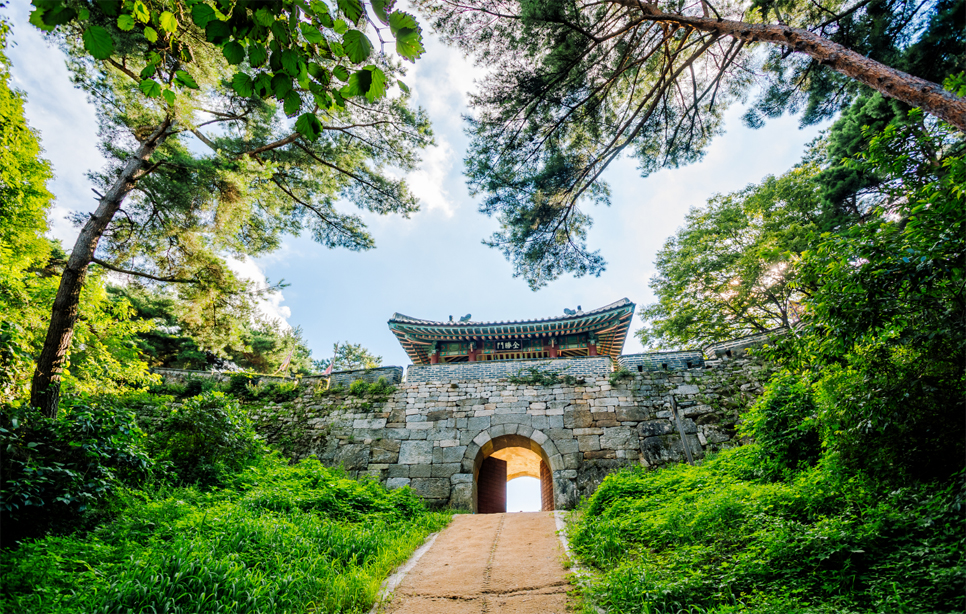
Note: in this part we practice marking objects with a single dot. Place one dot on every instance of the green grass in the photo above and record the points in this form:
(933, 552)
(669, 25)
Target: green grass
(280, 538)
(716, 539)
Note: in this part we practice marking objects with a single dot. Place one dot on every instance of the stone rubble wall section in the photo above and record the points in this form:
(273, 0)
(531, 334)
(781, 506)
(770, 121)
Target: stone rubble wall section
(496, 369)
(662, 361)
(393, 375)
(428, 435)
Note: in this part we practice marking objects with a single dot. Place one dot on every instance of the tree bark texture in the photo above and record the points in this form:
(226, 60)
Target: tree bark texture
(45, 387)
(888, 81)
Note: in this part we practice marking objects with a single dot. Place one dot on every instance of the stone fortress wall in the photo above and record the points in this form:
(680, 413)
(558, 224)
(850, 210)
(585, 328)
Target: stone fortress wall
(432, 434)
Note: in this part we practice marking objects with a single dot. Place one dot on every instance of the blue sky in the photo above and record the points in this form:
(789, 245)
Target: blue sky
(432, 265)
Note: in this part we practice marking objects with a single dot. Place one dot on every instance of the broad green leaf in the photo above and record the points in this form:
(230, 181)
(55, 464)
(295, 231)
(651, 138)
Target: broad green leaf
(150, 87)
(83, 15)
(151, 34)
(382, 8)
(141, 12)
(37, 19)
(402, 86)
(257, 54)
(340, 26)
(233, 52)
(310, 33)
(357, 46)
(201, 14)
(409, 38)
(185, 79)
(148, 70)
(326, 20)
(292, 103)
(290, 63)
(341, 73)
(337, 49)
(400, 20)
(59, 15)
(303, 78)
(125, 22)
(377, 85)
(217, 32)
(263, 85)
(323, 100)
(242, 84)
(264, 17)
(98, 42)
(319, 73)
(352, 9)
(309, 126)
(281, 85)
(169, 22)
(169, 96)
(280, 32)
(409, 44)
(337, 97)
(358, 84)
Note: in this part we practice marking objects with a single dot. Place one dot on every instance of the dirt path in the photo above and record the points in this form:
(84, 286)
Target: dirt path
(480, 564)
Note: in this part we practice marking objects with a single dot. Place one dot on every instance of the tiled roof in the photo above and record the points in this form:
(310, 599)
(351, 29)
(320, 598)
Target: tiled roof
(401, 318)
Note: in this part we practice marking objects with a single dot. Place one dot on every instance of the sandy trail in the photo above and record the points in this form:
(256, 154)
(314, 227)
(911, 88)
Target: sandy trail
(486, 563)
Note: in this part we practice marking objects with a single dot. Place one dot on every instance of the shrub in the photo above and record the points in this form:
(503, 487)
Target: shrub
(359, 388)
(239, 384)
(55, 472)
(203, 438)
(199, 385)
(784, 424)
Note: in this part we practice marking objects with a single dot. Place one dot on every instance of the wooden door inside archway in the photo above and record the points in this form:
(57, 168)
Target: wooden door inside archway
(504, 460)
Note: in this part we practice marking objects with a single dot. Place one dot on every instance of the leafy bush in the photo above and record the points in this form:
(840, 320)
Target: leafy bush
(359, 388)
(784, 424)
(238, 384)
(284, 539)
(711, 538)
(55, 472)
(619, 375)
(204, 438)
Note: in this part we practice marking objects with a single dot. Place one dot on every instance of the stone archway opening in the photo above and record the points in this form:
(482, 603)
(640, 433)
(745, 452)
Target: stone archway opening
(506, 458)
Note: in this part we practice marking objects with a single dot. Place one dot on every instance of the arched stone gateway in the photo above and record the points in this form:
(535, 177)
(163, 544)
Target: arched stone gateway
(490, 456)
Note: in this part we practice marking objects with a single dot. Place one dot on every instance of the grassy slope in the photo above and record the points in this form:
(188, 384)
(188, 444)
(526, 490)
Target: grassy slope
(279, 539)
(714, 538)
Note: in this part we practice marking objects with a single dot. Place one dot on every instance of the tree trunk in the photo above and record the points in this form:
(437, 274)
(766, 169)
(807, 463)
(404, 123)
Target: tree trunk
(888, 81)
(45, 387)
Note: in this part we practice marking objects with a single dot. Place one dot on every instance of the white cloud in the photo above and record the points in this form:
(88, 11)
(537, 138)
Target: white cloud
(427, 182)
(270, 305)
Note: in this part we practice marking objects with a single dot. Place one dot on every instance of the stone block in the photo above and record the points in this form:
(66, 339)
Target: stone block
(577, 418)
(431, 488)
(566, 446)
(353, 457)
(416, 453)
(511, 419)
(478, 423)
(384, 451)
(633, 413)
(538, 437)
(445, 470)
(618, 438)
(587, 443)
(398, 471)
(448, 455)
(600, 454)
(394, 483)
(420, 471)
(461, 478)
(655, 428)
(461, 497)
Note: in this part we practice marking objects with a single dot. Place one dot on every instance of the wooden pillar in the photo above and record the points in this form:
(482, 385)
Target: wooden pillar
(434, 358)
(592, 349)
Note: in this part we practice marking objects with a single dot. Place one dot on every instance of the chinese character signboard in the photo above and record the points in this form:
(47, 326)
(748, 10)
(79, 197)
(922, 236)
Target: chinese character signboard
(509, 346)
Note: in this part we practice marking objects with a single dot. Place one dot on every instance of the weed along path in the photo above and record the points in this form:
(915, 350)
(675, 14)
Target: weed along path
(486, 563)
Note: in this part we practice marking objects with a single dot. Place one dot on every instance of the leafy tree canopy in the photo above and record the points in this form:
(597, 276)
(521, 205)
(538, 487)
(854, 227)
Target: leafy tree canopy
(727, 272)
(572, 85)
(348, 356)
(227, 125)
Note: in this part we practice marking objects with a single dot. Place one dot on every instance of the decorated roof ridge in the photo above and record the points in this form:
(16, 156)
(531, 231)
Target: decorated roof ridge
(404, 319)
